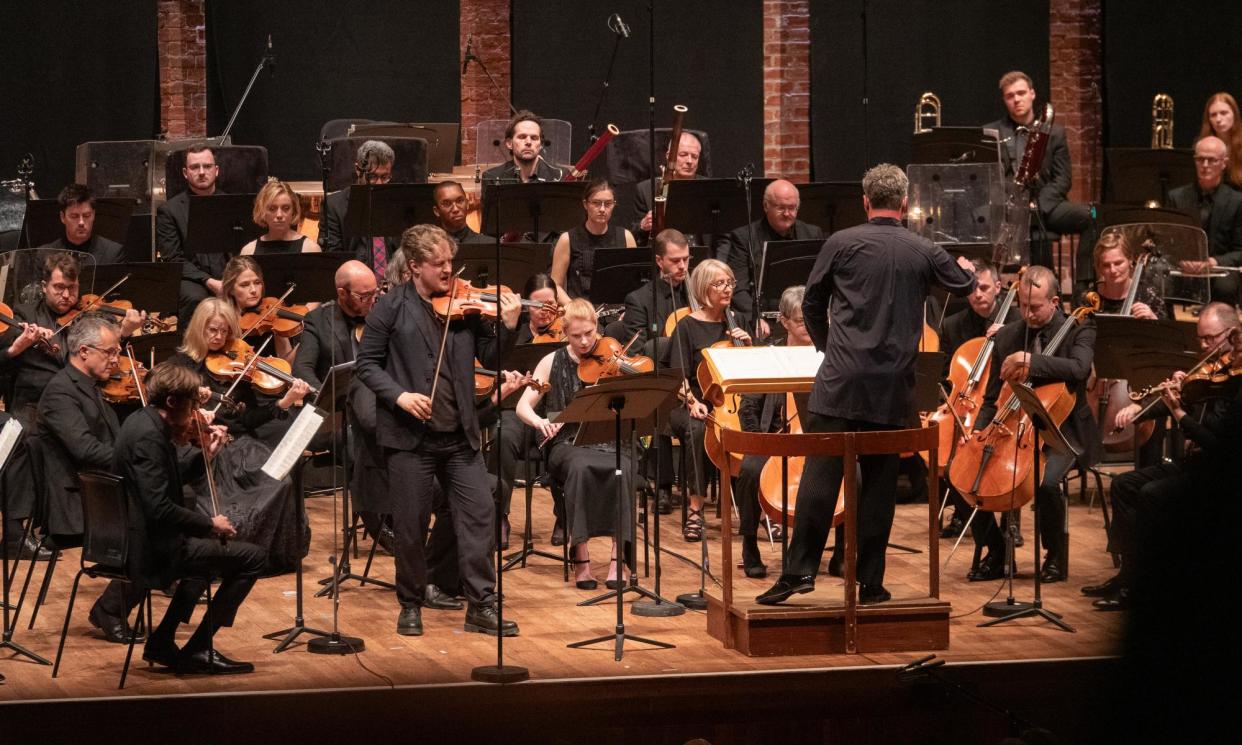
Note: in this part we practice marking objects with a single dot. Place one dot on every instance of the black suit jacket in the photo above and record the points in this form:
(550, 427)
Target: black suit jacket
(104, 250)
(1053, 184)
(33, 369)
(643, 204)
(158, 523)
(1071, 364)
(733, 249)
(172, 225)
(332, 230)
(638, 309)
(1224, 228)
(79, 432)
(327, 339)
(395, 357)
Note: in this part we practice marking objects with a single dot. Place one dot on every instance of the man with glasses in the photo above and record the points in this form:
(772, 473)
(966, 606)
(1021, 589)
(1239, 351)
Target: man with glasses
(450, 206)
(779, 223)
(200, 273)
(1219, 209)
(372, 165)
(77, 216)
(1144, 500)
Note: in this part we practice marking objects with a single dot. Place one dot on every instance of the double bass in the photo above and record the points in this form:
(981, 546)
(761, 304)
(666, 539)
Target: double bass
(994, 468)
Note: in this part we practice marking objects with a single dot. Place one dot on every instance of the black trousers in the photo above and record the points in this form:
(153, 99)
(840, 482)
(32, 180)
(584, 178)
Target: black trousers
(508, 448)
(1142, 500)
(450, 459)
(690, 431)
(1069, 218)
(238, 564)
(746, 494)
(1052, 527)
(442, 559)
(817, 500)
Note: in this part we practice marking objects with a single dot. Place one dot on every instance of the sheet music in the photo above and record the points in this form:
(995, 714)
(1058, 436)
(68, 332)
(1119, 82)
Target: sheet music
(294, 443)
(8, 439)
(741, 364)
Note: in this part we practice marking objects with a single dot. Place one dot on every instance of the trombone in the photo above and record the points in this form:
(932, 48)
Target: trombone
(1162, 122)
(927, 110)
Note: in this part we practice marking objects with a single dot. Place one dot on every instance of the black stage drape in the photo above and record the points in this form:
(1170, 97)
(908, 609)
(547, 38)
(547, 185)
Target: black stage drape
(709, 57)
(73, 73)
(1186, 50)
(370, 59)
(957, 49)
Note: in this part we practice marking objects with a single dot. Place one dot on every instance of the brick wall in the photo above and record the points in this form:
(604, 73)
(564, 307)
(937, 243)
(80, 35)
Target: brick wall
(1075, 61)
(787, 89)
(183, 68)
(487, 21)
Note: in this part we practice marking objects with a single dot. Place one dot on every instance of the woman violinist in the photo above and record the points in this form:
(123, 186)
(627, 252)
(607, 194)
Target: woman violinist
(572, 256)
(278, 210)
(244, 288)
(712, 284)
(585, 474)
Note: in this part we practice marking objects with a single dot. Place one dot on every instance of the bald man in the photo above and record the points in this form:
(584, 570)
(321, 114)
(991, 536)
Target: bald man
(685, 167)
(1219, 208)
(779, 223)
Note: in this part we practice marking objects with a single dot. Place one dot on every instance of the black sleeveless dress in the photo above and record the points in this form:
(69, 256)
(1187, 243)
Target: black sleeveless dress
(582, 245)
(279, 247)
(585, 474)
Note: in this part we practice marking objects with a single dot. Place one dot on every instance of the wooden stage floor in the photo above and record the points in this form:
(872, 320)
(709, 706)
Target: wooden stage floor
(546, 610)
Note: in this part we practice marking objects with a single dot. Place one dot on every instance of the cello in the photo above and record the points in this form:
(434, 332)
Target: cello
(1110, 396)
(994, 467)
(726, 412)
(771, 492)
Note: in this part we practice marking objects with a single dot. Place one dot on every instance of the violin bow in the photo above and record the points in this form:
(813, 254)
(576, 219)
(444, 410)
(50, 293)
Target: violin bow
(210, 462)
(133, 370)
(435, 380)
(99, 299)
(275, 307)
(241, 374)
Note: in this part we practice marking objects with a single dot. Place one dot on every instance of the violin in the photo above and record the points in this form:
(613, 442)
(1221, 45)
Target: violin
(7, 321)
(117, 309)
(271, 375)
(465, 299)
(1211, 377)
(485, 382)
(126, 383)
(274, 316)
(608, 359)
(553, 333)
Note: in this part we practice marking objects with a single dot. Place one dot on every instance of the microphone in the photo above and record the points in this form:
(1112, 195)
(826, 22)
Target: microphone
(747, 172)
(617, 26)
(270, 57)
(465, 62)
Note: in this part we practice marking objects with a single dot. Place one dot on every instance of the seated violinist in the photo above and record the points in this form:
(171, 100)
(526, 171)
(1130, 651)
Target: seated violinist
(765, 413)
(260, 507)
(585, 474)
(169, 541)
(572, 256)
(711, 284)
(244, 289)
(278, 210)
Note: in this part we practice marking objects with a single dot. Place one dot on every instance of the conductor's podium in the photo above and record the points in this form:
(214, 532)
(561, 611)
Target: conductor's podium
(828, 620)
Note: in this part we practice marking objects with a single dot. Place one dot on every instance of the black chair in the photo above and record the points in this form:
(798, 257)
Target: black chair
(534, 456)
(409, 165)
(243, 169)
(35, 446)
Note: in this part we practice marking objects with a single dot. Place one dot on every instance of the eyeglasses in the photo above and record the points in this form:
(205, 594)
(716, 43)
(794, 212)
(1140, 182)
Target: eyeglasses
(1212, 337)
(111, 354)
(1205, 160)
(377, 178)
(788, 209)
(366, 297)
(602, 204)
(722, 284)
(62, 289)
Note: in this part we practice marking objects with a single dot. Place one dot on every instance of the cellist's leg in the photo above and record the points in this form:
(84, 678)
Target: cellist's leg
(1053, 531)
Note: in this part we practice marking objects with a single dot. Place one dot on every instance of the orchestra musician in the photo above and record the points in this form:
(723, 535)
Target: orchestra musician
(526, 164)
(1219, 208)
(77, 217)
(686, 166)
(278, 210)
(1114, 269)
(1051, 189)
(200, 273)
(1145, 499)
(1018, 356)
(451, 207)
(765, 413)
(572, 255)
(425, 438)
(373, 164)
(1220, 119)
(585, 474)
(169, 542)
(244, 289)
(866, 381)
(712, 285)
(779, 223)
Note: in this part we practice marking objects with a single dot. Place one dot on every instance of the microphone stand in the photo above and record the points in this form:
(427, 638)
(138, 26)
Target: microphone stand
(744, 176)
(268, 58)
(492, 80)
(603, 93)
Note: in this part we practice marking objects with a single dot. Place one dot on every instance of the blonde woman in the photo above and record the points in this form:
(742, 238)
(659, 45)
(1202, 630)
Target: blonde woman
(278, 211)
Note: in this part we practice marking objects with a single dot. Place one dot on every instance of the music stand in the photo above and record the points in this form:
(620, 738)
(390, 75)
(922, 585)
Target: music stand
(832, 205)
(220, 224)
(1108, 215)
(1045, 430)
(153, 286)
(955, 145)
(520, 260)
(157, 347)
(711, 206)
(112, 216)
(387, 209)
(630, 398)
(784, 264)
(314, 274)
(538, 208)
(1137, 175)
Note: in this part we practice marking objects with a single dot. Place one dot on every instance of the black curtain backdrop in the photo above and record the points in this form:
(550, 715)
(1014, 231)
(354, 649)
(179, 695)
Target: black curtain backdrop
(369, 59)
(71, 75)
(1187, 50)
(957, 49)
(709, 57)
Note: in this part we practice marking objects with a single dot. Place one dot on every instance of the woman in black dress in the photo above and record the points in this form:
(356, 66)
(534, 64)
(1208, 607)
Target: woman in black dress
(711, 285)
(584, 473)
(278, 211)
(1114, 265)
(244, 289)
(572, 256)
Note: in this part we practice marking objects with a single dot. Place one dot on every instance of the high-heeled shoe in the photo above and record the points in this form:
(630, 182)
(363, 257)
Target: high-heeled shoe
(584, 584)
(617, 582)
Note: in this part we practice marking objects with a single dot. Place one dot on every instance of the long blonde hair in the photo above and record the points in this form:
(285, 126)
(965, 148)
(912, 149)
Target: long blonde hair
(194, 342)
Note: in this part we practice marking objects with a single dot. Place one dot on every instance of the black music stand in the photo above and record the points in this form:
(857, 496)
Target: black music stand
(831, 205)
(112, 216)
(387, 209)
(1138, 175)
(616, 272)
(1108, 215)
(784, 264)
(538, 207)
(153, 286)
(1143, 352)
(220, 224)
(956, 145)
(312, 274)
(162, 345)
(520, 260)
(631, 398)
(711, 206)
(1045, 430)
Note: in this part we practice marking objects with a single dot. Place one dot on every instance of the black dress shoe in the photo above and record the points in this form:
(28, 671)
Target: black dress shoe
(1104, 589)
(25, 549)
(437, 599)
(1051, 572)
(161, 652)
(868, 594)
(953, 529)
(1119, 600)
(752, 562)
(664, 502)
(410, 622)
(115, 630)
(210, 662)
(992, 567)
(786, 586)
(558, 533)
(386, 539)
(482, 618)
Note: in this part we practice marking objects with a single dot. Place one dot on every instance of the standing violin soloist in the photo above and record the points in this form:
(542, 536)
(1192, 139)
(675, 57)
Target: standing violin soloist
(427, 424)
